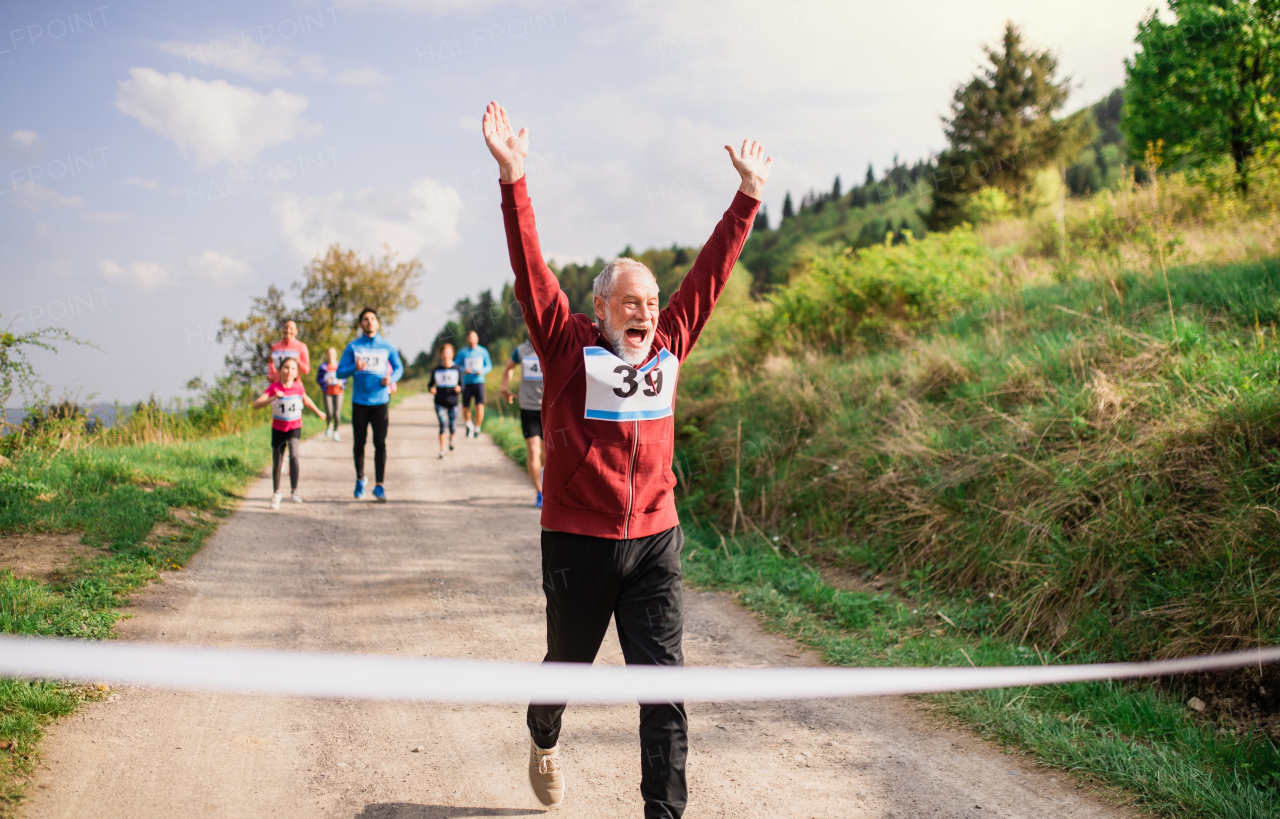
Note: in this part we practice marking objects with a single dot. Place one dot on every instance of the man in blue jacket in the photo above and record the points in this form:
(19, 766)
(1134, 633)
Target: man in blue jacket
(475, 364)
(375, 364)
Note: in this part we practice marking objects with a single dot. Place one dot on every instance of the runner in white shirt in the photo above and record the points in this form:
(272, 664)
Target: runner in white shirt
(526, 358)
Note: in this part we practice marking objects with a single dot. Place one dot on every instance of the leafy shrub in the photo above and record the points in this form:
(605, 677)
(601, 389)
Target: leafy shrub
(846, 298)
(989, 205)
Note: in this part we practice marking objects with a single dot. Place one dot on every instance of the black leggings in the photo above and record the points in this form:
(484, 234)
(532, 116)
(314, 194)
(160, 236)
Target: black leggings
(587, 580)
(362, 417)
(280, 441)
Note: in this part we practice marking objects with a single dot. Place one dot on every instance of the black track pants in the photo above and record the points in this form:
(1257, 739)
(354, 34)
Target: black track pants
(637, 582)
(363, 416)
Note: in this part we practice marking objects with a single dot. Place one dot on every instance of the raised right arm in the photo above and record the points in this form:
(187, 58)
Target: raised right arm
(544, 304)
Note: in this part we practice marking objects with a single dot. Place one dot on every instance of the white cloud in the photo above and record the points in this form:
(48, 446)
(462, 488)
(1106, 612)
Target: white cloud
(216, 121)
(217, 267)
(313, 64)
(63, 266)
(360, 76)
(23, 145)
(107, 217)
(233, 53)
(425, 217)
(36, 197)
(139, 182)
(147, 275)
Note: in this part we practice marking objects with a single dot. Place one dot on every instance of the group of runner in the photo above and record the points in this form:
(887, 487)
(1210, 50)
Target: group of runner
(610, 535)
(376, 367)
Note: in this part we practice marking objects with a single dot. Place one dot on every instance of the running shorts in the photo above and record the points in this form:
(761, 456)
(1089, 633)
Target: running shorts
(281, 437)
(531, 423)
(472, 391)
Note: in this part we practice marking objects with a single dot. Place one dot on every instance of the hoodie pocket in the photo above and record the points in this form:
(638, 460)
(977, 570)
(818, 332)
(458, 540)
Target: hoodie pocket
(599, 484)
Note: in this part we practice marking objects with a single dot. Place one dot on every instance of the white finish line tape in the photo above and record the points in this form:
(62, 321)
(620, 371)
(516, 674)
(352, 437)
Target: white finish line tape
(384, 677)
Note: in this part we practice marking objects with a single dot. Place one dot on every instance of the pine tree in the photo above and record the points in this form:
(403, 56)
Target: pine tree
(835, 189)
(788, 209)
(1002, 127)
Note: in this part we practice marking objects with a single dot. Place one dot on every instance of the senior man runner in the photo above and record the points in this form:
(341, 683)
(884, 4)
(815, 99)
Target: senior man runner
(611, 539)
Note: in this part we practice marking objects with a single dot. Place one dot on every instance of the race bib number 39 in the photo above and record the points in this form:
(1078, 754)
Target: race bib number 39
(374, 360)
(616, 391)
(287, 408)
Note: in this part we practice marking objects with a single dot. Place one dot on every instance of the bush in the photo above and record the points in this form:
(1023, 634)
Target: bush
(851, 299)
(989, 205)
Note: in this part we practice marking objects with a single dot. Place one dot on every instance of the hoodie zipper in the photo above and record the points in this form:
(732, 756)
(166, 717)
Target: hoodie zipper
(631, 480)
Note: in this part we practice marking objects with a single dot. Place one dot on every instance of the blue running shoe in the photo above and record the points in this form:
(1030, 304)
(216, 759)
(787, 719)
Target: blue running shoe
(380, 494)
(539, 500)
(360, 482)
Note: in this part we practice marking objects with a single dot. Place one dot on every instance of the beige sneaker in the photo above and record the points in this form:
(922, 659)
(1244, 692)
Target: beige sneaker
(545, 776)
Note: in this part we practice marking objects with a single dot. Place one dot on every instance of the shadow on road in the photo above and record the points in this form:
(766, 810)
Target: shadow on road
(410, 810)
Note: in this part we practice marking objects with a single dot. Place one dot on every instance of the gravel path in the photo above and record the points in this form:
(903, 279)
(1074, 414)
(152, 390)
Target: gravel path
(450, 567)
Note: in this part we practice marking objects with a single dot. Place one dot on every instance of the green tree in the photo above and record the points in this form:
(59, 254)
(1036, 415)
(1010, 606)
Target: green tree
(1002, 128)
(17, 374)
(1208, 84)
(788, 210)
(251, 337)
(334, 288)
(836, 193)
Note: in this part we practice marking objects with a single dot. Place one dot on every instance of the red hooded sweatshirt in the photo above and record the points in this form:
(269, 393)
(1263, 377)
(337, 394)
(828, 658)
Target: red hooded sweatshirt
(609, 427)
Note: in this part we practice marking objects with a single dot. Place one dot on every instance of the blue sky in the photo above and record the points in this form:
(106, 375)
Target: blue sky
(163, 163)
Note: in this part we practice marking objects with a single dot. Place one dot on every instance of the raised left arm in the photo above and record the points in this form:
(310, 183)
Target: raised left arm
(686, 314)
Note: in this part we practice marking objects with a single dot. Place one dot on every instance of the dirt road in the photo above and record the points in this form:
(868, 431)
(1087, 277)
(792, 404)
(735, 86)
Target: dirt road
(450, 567)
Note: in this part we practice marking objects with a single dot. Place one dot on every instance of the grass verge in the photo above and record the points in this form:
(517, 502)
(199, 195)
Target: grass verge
(508, 435)
(143, 509)
(1118, 734)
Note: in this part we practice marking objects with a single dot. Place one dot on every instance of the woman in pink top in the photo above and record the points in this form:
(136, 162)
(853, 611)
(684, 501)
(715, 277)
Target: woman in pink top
(287, 398)
(289, 348)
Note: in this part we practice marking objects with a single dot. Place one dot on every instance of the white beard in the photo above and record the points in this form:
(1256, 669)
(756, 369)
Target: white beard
(618, 341)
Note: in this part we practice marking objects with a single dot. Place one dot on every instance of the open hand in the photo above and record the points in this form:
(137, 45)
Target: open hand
(753, 166)
(508, 147)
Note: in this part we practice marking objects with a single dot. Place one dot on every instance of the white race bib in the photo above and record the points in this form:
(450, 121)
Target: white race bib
(287, 408)
(616, 391)
(278, 357)
(447, 378)
(530, 368)
(374, 359)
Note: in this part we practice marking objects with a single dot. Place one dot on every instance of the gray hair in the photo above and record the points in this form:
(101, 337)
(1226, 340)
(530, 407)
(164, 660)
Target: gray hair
(602, 286)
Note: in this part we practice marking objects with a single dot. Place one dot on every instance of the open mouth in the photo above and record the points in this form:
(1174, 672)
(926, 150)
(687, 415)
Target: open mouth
(635, 335)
